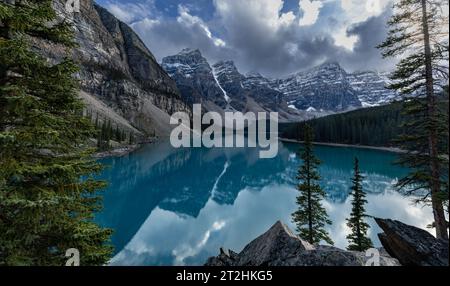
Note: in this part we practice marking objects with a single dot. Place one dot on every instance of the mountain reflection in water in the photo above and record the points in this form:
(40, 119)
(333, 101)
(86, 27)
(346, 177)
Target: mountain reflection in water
(178, 206)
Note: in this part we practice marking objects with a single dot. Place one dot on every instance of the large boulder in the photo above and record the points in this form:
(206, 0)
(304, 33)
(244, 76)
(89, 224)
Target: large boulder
(412, 245)
(278, 242)
(280, 247)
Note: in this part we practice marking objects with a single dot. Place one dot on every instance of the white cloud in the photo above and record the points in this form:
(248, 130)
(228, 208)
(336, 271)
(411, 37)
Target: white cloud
(260, 35)
(189, 20)
(120, 13)
(342, 39)
(164, 233)
(265, 13)
(130, 12)
(356, 11)
(147, 23)
(311, 10)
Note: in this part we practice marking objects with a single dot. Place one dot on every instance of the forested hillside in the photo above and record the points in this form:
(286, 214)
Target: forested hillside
(375, 126)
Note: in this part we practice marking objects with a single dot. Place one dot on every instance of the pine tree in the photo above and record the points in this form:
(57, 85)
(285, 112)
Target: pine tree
(109, 131)
(46, 207)
(123, 137)
(311, 217)
(96, 121)
(131, 139)
(418, 30)
(117, 134)
(358, 237)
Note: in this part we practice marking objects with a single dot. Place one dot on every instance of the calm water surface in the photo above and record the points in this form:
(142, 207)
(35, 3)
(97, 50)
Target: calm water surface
(179, 206)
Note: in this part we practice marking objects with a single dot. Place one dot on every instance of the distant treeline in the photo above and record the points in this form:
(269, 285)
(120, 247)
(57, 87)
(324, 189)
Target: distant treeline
(375, 126)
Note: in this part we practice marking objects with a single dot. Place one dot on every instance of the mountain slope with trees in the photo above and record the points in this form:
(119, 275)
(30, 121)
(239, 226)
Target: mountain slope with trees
(376, 126)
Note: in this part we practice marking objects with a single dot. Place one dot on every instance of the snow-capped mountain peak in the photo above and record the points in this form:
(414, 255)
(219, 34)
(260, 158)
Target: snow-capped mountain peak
(325, 89)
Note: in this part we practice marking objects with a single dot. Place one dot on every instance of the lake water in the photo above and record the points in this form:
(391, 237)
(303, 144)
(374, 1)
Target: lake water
(179, 206)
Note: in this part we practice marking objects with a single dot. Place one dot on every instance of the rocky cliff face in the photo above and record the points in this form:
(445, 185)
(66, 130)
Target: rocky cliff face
(118, 73)
(371, 88)
(329, 87)
(325, 87)
(249, 94)
(195, 79)
(230, 81)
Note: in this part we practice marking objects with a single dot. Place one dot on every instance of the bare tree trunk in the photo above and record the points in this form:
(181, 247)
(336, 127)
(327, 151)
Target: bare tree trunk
(435, 184)
(310, 224)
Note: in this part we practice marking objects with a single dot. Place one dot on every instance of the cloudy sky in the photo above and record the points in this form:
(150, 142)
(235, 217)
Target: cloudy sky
(273, 37)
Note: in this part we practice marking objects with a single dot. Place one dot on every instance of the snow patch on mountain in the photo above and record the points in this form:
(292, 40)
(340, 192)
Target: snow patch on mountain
(372, 88)
(225, 95)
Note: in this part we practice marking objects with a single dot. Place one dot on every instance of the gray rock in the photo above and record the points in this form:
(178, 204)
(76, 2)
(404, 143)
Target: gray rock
(412, 245)
(195, 79)
(225, 258)
(325, 87)
(371, 88)
(278, 242)
(280, 247)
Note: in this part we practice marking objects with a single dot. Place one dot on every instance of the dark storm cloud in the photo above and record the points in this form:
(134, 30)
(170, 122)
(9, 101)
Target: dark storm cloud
(290, 48)
(371, 33)
(264, 36)
(166, 37)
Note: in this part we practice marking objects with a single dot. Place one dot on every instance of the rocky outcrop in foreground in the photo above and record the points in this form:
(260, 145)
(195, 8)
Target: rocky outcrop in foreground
(280, 247)
(412, 246)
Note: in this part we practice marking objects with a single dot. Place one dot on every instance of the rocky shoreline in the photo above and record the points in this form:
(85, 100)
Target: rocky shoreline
(403, 245)
(117, 152)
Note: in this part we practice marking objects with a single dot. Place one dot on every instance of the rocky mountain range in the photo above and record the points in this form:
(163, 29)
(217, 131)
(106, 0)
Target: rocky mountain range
(328, 87)
(320, 91)
(120, 79)
(195, 79)
(221, 87)
(323, 88)
(371, 88)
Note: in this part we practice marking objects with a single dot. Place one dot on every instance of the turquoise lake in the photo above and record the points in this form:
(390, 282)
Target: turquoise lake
(179, 206)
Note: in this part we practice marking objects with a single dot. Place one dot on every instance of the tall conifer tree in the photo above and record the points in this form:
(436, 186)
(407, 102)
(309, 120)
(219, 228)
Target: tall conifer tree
(311, 217)
(358, 237)
(47, 190)
(419, 30)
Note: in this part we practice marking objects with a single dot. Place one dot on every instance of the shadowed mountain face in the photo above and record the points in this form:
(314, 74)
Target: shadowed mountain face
(195, 79)
(117, 72)
(323, 88)
(371, 88)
